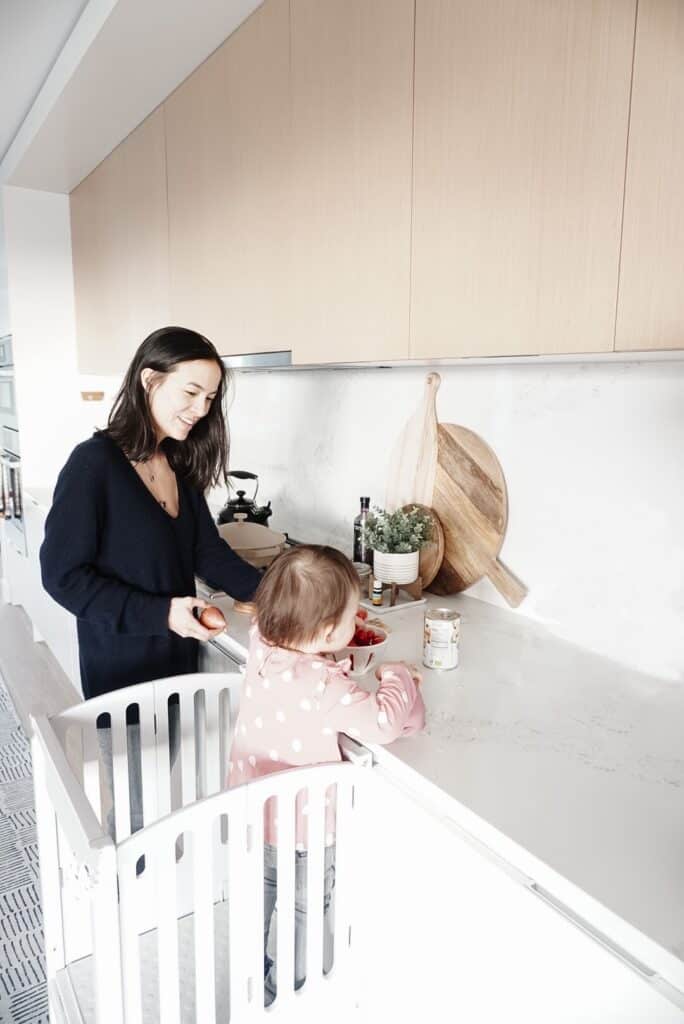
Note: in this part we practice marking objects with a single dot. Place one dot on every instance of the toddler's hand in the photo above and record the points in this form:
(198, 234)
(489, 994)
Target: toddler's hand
(416, 674)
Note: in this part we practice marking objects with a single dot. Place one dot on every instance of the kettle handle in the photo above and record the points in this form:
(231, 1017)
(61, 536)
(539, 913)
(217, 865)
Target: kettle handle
(243, 474)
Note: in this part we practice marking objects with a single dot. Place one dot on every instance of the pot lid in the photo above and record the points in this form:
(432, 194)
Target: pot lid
(244, 536)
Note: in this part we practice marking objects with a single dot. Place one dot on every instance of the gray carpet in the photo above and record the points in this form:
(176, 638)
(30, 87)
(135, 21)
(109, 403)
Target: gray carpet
(23, 998)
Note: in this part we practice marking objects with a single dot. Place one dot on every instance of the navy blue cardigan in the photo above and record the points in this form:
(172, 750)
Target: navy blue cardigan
(114, 558)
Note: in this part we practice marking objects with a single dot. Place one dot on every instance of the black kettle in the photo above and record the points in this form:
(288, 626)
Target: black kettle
(241, 504)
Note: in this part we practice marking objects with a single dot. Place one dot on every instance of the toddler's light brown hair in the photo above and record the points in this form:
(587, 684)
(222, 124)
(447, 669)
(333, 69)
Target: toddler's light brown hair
(304, 591)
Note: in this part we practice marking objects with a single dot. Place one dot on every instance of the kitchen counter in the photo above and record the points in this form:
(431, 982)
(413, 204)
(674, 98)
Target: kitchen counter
(558, 757)
(40, 496)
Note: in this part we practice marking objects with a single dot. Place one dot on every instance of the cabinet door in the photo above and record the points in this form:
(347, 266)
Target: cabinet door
(351, 176)
(449, 931)
(521, 115)
(227, 150)
(119, 237)
(651, 303)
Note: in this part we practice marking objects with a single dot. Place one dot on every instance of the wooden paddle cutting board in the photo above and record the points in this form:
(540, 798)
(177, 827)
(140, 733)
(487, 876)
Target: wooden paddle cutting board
(432, 554)
(471, 502)
(413, 462)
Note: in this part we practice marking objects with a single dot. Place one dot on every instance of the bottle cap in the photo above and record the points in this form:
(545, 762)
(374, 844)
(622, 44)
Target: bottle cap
(365, 502)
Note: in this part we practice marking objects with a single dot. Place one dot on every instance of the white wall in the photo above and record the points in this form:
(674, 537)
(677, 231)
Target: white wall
(592, 454)
(5, 327)
(41, 296)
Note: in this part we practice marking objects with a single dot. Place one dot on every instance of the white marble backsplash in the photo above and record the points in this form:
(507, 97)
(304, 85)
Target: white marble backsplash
(591, 452)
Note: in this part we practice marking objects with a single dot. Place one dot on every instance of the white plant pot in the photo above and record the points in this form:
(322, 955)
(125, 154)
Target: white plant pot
(396, 568)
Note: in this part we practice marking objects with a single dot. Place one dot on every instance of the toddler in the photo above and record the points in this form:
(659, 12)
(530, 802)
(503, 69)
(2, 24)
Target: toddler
(296, 700)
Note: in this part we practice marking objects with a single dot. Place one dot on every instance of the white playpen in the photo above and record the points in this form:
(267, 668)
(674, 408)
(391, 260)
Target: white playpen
(166, 924)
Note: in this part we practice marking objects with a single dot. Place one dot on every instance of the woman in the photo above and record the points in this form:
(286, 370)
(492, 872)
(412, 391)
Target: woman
(129, 527)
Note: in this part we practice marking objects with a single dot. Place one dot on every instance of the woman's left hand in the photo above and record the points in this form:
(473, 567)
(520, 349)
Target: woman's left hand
(183, 622)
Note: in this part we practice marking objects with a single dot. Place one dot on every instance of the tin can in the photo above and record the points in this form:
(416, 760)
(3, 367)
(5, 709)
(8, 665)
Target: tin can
(441, 637)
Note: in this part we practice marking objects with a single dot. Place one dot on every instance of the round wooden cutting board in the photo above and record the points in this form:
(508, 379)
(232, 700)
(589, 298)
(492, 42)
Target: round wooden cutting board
(471, 502)
(432, 554)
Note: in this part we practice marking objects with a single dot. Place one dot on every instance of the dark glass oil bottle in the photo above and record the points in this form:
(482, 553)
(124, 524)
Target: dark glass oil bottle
(362, 552)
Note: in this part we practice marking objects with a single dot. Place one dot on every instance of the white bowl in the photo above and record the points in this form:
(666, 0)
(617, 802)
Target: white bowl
(365, 658)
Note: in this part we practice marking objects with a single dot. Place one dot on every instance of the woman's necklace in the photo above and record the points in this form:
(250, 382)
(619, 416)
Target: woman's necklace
(148, 473)
(151, 477)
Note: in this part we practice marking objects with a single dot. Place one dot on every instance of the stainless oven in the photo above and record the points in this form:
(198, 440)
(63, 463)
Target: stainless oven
(8, 403)
(11, 496)
(6, 357)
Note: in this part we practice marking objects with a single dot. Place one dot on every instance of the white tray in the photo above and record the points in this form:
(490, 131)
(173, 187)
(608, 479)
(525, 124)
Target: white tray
(404, 600)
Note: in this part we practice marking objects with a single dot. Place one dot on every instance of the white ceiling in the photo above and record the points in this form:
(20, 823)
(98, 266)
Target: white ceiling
(73, 87)
(32, 34)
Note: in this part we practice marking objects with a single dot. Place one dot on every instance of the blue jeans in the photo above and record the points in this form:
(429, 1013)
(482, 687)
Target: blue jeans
(270, 911)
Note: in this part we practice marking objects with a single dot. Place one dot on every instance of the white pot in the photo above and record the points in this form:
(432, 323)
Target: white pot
(396, 568)
(258, 545)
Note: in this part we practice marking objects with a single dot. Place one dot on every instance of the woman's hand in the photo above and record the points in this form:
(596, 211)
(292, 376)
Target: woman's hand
(183, 622)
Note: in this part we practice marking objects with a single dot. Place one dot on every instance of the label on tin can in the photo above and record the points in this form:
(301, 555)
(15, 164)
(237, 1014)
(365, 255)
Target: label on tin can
(440, 638)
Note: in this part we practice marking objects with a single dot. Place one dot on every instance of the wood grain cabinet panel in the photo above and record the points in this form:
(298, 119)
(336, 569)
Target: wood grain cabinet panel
(227, 130)
(651, 300)
(119, 237)
(352, 77)
(521, 119)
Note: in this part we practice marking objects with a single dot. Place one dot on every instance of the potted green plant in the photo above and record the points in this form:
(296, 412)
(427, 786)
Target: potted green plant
(396, 539)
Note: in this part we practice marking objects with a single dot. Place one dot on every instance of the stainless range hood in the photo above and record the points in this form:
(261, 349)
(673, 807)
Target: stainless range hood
(258, 360)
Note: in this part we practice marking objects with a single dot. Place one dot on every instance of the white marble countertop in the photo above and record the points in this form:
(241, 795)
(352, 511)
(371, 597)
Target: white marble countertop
(41, 496)
(578, 760)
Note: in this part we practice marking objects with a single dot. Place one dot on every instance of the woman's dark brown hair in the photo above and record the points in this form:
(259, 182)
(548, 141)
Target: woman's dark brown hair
(304, 591)
(202, 459)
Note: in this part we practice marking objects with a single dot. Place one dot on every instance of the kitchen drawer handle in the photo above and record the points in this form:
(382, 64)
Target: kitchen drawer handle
(592, 931)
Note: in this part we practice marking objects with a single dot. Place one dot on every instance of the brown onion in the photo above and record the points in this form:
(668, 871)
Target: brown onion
(212, 618)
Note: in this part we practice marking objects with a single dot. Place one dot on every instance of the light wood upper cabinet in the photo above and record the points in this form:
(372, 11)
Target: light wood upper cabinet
(227, 130)
(651, 298)
(119, 238)
(351, 178)
(521, 119)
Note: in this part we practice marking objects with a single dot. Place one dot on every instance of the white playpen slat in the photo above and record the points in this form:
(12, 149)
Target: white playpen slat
(130, 941)
(122, 809)
(285, 947)
(163, 767)
(346, 871)
(106, 953)
(245, 905)
(315, 886)
(187, 747)
(148, 767)
(213, 780)
(205, 979)
(167, 930)
(200, 743)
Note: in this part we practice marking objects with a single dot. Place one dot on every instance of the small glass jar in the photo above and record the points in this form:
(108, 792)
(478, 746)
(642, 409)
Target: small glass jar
(441, 636)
